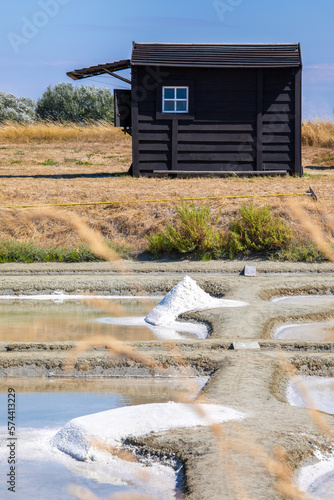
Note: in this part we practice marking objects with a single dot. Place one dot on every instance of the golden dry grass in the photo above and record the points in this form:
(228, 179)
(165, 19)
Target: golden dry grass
(89, 164)
(315, 133)
(318, 133)
(59, 132)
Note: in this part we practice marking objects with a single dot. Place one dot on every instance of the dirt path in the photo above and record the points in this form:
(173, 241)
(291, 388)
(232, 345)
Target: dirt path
(251, 381)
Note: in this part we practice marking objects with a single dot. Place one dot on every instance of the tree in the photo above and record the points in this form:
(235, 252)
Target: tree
(18, 109)
(63, 102)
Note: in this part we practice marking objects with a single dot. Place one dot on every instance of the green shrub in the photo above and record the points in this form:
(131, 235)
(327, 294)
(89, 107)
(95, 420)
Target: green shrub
(16, 109)
(50, 162)
(194, 233)
(257, 230)
(252, 231)
(17, 251)
(80, 162)
(65, 102)
(303, 251)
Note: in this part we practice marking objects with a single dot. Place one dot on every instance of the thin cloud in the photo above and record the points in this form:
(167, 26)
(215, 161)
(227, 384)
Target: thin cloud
(52, 63)
(321, 110)
(174, 21)
(36, 64)
(149, 22)
(319, 73)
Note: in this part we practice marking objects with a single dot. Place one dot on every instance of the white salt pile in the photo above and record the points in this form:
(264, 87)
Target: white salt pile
(186, 296)
(111, 426)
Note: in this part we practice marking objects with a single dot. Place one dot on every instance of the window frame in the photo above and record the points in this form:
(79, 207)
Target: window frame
(175, 99)
(176, 82)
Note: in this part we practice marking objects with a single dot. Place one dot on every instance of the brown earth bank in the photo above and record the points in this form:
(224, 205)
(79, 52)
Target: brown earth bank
(84, 172)
(233, 461)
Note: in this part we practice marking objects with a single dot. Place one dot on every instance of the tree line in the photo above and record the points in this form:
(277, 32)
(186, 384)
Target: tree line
(62, 102)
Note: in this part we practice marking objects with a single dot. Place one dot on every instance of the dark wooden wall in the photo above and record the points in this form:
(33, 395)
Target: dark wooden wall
(239, 120)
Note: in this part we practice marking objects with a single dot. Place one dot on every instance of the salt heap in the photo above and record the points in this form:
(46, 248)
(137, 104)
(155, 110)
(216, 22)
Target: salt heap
(112, 426)
(185, 296)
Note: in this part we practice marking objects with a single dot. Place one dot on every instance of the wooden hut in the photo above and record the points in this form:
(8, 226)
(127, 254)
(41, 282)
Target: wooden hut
(210, 109)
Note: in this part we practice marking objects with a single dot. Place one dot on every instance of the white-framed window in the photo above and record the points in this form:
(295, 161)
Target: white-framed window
(175, 99)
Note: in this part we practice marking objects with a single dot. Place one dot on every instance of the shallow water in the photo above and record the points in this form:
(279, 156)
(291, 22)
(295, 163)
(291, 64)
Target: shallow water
(59, 318)
(307, 300)
(93, 395)
(317, 480)
(323, 487)
(43, 471)
(52, 482)
(317, 393)
(312, 392)
(323, 332)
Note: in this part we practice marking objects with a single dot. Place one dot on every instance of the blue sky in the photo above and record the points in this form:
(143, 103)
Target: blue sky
(43, 39)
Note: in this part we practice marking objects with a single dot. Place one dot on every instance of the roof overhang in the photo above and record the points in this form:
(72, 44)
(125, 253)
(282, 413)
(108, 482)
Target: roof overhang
(101, 69)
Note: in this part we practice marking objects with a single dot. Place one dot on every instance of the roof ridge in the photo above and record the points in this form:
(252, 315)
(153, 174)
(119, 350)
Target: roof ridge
(217, 44)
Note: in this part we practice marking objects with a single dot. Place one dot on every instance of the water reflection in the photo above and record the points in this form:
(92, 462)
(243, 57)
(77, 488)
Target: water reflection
(314, 392)
(323, 332)
(57, 319)
(45, 405)
(307, 300)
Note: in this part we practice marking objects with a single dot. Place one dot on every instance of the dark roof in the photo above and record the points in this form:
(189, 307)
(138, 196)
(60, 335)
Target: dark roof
(101, 69)
(198, 55)
(217, 55)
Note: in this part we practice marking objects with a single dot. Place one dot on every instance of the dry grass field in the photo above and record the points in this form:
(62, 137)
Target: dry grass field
(66, 164)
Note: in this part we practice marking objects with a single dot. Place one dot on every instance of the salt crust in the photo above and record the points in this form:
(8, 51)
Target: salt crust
(166, 332)
(186, 296)
(312, 479)
(316, 480)
(309, 328)
(319, 391)
(306, 299)
(158, 480)
(61, 297)
(113, 426)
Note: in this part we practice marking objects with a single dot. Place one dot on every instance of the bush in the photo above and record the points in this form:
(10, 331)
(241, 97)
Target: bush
(257, 230)
(252, 231)
(63, 102)
(27, 251)
(194, 233)
(16, 109)
(303, 251)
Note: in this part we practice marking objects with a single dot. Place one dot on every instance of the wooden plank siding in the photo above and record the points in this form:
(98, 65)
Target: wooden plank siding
(279, 119)
(243, 120)
(135, 128)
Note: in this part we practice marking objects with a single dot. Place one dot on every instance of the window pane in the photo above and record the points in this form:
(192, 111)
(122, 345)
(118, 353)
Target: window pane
(169, 106)
(181, 106)
(181, 93)
(169, 93)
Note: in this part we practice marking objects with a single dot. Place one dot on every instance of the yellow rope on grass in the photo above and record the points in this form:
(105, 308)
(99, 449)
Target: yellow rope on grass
(163, 200)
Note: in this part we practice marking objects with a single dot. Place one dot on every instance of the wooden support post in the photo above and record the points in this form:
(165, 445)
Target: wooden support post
(118, 76)
(135, 124)
(175, 138)
(259, 124)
